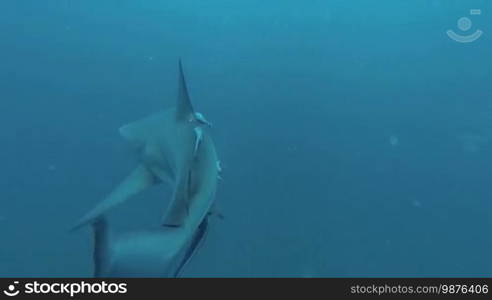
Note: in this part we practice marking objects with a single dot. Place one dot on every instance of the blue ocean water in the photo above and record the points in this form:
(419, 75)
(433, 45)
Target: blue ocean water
(355, 136)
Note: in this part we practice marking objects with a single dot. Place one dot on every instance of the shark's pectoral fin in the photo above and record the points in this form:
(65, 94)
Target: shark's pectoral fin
(140, 179)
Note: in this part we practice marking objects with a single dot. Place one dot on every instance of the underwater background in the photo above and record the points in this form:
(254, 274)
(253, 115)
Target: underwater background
(355, 136)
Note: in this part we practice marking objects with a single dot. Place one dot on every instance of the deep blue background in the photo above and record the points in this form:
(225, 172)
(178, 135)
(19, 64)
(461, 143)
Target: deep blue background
(355, 135)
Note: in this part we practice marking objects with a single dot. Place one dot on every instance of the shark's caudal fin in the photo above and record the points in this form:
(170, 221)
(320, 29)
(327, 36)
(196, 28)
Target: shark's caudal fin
(140, 179)
(101, 245)
(184, 109)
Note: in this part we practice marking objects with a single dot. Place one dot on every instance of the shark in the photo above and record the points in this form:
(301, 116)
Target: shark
(173, 147)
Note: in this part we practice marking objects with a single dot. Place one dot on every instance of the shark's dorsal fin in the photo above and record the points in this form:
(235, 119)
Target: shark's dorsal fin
(184, 109)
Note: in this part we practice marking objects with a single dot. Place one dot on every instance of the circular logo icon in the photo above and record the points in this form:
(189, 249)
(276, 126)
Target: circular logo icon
(464, 24)
(11, 291)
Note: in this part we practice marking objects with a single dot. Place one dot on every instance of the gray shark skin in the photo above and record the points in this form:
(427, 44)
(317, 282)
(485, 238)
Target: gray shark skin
(166, 147)
(173, 147)
(161, 252)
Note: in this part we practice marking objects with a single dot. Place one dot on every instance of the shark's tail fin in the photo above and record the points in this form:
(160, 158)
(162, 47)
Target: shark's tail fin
(101, 245)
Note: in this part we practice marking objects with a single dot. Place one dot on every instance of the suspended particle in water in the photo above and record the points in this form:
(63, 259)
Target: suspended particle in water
(393, 140)
(417, 203)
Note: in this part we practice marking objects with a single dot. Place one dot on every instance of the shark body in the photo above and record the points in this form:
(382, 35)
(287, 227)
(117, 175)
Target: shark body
(174, 147)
